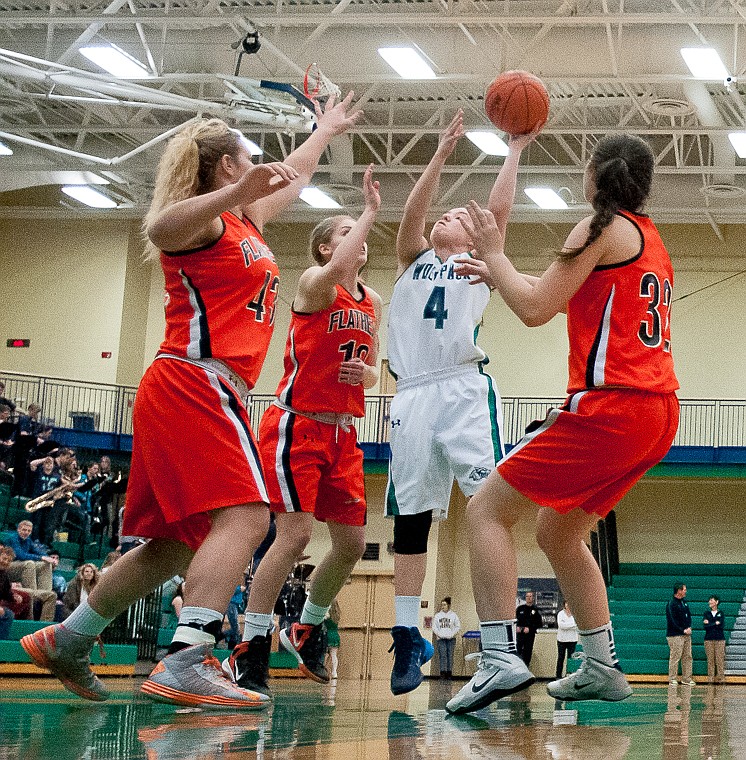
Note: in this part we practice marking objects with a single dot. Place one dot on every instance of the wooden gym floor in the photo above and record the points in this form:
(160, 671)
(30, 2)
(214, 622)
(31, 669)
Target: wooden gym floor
(362, 721)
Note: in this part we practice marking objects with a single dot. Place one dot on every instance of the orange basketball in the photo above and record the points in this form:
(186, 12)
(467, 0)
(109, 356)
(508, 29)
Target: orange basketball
(517, 102)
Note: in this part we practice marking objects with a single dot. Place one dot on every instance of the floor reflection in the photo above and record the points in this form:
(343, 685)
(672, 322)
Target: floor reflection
(362, 721)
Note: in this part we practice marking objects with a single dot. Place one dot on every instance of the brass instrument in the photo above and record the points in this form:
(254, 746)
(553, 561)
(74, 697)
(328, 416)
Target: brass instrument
(48, 499)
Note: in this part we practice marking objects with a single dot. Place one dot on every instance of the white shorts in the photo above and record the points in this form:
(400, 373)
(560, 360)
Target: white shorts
(443, 426)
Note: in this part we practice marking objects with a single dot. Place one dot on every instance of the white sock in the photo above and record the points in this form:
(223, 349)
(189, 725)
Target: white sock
(186, 634)
(499, 635)
(85, 620)
(312, 614)
(407, 611)
(598, 644)
(256, 624)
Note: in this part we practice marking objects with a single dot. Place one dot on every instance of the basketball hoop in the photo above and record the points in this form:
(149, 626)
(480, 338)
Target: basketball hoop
(317, 86)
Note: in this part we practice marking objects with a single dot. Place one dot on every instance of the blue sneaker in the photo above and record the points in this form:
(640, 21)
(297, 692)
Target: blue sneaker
(411, 652)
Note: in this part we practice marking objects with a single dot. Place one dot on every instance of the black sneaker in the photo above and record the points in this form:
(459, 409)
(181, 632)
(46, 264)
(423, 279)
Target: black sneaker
(248, 664)
(308, 644)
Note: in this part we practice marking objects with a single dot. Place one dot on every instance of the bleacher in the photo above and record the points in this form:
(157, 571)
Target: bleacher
(637, 600)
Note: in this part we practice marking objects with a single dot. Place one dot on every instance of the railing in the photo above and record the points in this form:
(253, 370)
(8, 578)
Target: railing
(712, 423)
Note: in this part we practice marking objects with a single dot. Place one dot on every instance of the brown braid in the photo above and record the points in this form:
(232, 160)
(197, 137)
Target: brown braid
(623, 173)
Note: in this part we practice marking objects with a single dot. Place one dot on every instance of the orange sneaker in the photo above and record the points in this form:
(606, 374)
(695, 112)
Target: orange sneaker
(194, 678)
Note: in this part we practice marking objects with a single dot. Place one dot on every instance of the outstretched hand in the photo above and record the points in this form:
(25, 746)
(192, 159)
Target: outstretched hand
(371, 190)
(261, 180)
(334, 118)
(451, 135)
(482, 229)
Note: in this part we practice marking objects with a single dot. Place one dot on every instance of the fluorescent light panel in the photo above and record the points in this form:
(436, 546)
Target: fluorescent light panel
(5, 150)
(407, 62)
(545, 197)
(250, 145)
(704, 63)
(738, 141)
(317, 198)
(488, 142)
(116, 61)
(90, 197)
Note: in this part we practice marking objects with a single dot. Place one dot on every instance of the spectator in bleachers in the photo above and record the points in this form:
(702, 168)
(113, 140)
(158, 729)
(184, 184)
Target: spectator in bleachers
(20, 599)
(29, 424)
(235, 608)
(679, 636)
(59, 583)
(45, 476)
(8, 431)
(80, 586)
(11, 601)
(32, 566)
(4, 400)
(714, 623)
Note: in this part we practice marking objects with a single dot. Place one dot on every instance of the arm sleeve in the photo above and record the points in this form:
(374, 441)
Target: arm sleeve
(21, 554)
(436, 625)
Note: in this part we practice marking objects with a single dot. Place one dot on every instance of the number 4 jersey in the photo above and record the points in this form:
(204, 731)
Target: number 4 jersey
(433, 318)
(618, 322)
(317, 345)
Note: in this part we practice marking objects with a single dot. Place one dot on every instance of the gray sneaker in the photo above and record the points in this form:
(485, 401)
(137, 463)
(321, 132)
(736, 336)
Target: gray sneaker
(193, 677)
(592, 680)
(498, 675)
(67, 655)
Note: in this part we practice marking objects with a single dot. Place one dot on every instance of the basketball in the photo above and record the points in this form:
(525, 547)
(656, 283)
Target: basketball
(517, 102)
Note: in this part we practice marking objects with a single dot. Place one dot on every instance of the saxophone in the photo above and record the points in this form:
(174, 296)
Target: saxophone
(48, 499)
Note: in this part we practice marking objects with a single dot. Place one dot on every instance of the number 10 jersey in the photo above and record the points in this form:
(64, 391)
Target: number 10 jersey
(434, 318)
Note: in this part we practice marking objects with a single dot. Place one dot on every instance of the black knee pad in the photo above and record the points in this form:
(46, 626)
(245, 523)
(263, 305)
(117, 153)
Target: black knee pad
(411, 533)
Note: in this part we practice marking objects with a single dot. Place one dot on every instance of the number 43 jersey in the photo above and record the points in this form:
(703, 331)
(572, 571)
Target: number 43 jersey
(317, 345)
(434, 318)
(618, 322)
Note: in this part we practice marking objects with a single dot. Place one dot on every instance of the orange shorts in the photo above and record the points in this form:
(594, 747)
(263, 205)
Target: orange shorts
(592, 450)
(193, 451)
(312, 466)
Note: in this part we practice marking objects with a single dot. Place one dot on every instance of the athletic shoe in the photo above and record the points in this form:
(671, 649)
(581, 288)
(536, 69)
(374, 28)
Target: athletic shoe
(193, 677)
(308, 643)
(67, 655)
(592, 680)
(498, 675)
(248, 664)
(411, 652)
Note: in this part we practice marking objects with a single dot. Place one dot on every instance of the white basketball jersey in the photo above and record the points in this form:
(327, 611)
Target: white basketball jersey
(433, 318)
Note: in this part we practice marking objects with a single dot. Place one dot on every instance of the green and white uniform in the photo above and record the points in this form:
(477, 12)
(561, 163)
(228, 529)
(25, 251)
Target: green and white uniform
(446, 416)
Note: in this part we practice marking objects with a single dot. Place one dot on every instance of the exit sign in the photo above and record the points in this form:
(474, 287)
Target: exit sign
(18, 342)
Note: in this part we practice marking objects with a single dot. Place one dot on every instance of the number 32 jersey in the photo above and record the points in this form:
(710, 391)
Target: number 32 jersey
(317, 345)
(434, 317)
(618, 322)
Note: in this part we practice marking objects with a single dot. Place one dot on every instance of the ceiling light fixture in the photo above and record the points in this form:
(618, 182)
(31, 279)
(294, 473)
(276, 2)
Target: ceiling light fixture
(545, 197)
(317, 198)
(488, 142)
(90, 197)
(738, 141)
(5, 150)
(116, 61)
(407, 62)
(704, 63)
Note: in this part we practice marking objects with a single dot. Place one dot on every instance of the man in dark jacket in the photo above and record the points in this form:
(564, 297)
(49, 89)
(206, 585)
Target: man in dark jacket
(679, 636)
(528, 621)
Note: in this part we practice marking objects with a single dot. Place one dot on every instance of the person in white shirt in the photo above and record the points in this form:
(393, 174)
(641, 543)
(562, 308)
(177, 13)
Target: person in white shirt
(567, 638)
(445, 627)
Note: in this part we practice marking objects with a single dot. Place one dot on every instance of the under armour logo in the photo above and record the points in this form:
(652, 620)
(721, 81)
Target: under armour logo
(396, 422)
(478, 473)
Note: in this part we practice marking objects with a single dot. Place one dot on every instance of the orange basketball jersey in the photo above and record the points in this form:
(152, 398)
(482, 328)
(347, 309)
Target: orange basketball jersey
(317, 344)
(619, 321)
(220, 299)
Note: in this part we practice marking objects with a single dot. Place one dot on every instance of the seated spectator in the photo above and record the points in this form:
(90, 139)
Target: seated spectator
(59, 583)
(111, 558)
(80, 586)
(12, 602)
(20, 599)
(8, 431)
(4, 400)
(32, 566)
(29, 424)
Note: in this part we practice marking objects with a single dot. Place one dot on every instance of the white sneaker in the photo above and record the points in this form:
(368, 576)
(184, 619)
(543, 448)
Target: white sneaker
(673, 682)
(592, 680)
(498, 675)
